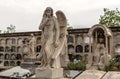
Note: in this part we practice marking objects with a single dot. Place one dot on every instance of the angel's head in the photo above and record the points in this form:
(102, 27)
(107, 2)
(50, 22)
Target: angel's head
(48, 12)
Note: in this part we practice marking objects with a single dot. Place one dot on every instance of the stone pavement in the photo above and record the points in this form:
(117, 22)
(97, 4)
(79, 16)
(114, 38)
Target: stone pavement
(96, 74)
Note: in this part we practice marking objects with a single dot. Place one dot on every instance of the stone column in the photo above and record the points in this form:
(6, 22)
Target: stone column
(106, 50)
(89, 55)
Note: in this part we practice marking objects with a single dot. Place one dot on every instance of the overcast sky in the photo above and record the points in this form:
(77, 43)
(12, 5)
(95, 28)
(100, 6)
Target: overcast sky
(26, 15)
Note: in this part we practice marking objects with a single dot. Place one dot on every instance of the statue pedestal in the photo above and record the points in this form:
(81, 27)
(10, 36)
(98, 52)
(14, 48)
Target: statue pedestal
(49, 73)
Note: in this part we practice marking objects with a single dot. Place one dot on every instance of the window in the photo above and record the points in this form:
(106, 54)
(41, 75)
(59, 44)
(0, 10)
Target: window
(38, 48)
(18, 63)
(87, 48)
(78, 57)
(7, 56)
(13, 57)
(38, 40)
(6, 63)
(13, 41)
(70, 39)
(1, 56)
(25, 41)
(12, 63)
(79, 49)
(2, 42)
(20, 41)
(8, 41)
(1, 49)
(18, 57)
(7, 49)
(19, 49)
(13, 49)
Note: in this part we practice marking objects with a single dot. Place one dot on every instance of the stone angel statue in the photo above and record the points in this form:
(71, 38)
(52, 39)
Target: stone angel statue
(54, 43)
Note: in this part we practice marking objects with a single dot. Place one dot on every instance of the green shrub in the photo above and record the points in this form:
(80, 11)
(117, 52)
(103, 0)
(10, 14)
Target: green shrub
(112, 65)
(76, 66)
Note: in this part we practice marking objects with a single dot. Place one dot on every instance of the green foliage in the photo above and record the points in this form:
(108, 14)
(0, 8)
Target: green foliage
(76, 66)
(111, 66)
(0, 31)
(114, 65)
(69, 27)
(10, 29)
(110, 18)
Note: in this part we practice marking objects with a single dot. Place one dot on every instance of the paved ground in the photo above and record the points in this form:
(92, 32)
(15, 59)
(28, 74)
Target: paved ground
(96, 74)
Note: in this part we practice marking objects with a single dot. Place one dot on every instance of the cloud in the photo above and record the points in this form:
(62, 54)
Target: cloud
(27, 14)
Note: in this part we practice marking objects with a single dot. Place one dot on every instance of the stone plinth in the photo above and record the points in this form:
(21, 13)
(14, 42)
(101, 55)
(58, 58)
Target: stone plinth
(49, 73)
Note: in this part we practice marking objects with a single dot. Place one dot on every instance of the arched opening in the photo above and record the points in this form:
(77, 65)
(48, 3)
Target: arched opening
(86, 48)
(13, 41)
(1, 56)
(99, 36)
(12, 63)
(7, 56)
(70, 39)
(7, 49)
(13, 57)
(20, 41)
(38, 40)
(38, 48)
(24, 56)
(13, 49)
(6, 63)
(19, 49)
(79, 49)
(25, 41)
(78, 57)
(18, 63)
(1, 49)
(2, 42)
(1, 63)
(18, 57)
(8, 41)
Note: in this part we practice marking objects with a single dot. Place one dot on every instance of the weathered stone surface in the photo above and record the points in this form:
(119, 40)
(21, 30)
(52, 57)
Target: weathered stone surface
(54, 39)
(49, 73)
(112, 75)
(91, 74)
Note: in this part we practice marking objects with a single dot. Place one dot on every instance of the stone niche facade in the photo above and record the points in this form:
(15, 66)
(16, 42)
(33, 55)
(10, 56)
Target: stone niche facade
(81, 43)
(14, 47)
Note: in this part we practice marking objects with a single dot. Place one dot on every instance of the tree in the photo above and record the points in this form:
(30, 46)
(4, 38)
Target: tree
(10, 29)
(69, 27)
(110, 18)
(0, 31)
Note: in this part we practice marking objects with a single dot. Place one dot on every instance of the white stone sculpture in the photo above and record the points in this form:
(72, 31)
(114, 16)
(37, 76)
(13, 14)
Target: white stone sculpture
(32, 43)
(54, 43)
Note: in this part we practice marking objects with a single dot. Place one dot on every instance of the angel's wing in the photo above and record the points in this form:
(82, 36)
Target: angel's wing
(61, 18)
